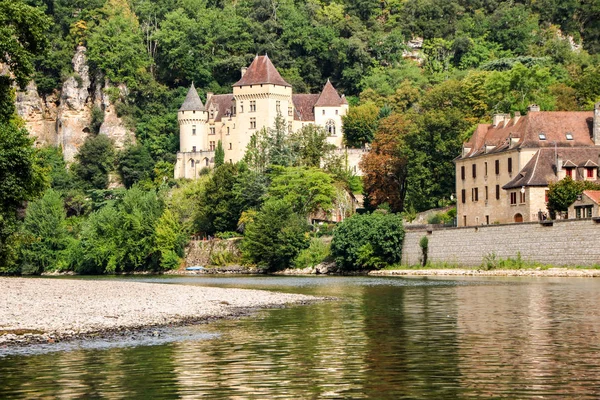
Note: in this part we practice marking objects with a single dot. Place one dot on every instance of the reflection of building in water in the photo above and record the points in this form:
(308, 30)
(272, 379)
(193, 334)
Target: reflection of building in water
(516, 337)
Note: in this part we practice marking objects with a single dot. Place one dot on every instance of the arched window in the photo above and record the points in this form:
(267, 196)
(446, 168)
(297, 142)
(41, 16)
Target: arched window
(206, 161)
(192, 162)
(330, 127)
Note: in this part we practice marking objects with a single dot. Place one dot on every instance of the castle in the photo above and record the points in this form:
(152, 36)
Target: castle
(257, 99)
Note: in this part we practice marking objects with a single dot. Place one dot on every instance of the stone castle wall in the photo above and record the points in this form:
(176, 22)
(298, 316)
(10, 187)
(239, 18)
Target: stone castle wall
(561, 243)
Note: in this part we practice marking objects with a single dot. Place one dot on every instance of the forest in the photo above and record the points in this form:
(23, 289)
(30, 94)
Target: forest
(413, 106)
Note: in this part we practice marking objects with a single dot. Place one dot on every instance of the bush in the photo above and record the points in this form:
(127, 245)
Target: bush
(275, 236)
(368, 241)
(316, 253)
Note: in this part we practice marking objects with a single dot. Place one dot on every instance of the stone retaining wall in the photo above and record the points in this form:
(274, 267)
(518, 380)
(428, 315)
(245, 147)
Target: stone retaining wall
(561, 243)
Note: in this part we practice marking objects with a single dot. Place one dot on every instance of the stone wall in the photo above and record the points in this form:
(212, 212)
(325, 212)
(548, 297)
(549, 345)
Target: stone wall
(561, 243)
(198, 252)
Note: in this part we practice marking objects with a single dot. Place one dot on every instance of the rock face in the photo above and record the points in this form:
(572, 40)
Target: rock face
(65, 120)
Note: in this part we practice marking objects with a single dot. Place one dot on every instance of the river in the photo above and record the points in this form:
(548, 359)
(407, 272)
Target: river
(384, 338)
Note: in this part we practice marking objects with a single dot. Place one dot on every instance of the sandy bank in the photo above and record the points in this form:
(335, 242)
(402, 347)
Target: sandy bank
(550, 272)
(55, 309)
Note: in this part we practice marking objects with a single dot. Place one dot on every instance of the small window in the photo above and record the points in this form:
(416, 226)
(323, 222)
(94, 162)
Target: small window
(336, 112)
(462, 172)
(230, 146)
(569, 136)
(193, 130)
(323, 112)
(212, 146)
(278, 106)
(212, 130)
(569, 172)
(290, 111)
(252, 105)
(330, 127)
(497, 192)
(463, 196)
(486, 193)
(252, 123)
(475, 194)
(485, 169)
(497, 167)
(510, 165)
(590, 172)
(194, 149)
(228, 130)
(513, 198)
(521, 197)
(474, 170)
(192, 163)
(542, 136)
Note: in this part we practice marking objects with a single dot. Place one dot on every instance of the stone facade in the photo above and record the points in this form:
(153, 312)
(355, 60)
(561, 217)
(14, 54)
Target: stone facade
(503, 172)
(560, 243)
(257, 99)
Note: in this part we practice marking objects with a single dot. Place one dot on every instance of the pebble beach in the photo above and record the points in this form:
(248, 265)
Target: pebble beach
(47, 310)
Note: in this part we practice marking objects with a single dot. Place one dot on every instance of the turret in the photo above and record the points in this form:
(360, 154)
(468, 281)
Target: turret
(192, 118)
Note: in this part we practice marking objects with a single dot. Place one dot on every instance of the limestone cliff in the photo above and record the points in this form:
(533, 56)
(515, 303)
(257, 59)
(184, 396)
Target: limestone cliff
(65, 119)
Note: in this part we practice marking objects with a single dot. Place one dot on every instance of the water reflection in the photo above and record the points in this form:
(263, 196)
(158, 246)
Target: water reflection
(384, 338)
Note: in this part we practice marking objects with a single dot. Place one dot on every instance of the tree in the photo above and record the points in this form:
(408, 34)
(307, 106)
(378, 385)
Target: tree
(563, 193)
(306, 190)
(169, 241)
(219, 211)
(385, 167)
(94, 162)
(310, 145)
(46, 235)
(275, 236)
(219, 155)
(360, 124)
(134, 164)
(367, 241)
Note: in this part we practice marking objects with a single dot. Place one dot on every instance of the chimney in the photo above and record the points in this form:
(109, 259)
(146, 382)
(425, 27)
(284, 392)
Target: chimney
(497, 119)
(559, 168)
(244, 69)
(596, 125)
(517, 116)
(208, 96)
(533, 108)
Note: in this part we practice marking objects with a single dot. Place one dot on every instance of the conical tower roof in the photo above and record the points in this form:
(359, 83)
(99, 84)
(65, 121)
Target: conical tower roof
(329, 97)
(192, 101)
(261, 71)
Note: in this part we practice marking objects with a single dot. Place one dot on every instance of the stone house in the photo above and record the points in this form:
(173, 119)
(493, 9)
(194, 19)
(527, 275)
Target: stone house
(258, 98)
(503, 172)
(586, 205)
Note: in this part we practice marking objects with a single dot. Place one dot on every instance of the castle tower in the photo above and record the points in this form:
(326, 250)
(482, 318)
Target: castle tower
(329, 110)
(194, 153)
(260, 95)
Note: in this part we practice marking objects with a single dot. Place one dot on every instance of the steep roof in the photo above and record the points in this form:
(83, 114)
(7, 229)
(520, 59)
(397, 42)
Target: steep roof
(594, 195)
(261, 71)
(329, 97)
(541, 169)
(192, 101)
(304, 105)
(536, 129)
(222, 103)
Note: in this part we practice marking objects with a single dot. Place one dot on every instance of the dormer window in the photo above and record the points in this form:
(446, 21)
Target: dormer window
(569, 136)
(542, 136)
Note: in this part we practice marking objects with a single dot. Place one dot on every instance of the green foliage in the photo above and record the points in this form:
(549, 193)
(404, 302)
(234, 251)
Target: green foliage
(368, 241)
(442, 217)
(316, 253)
(169, 241)
(275, 236)
(222, 257)
(94, 162)
(219, 155)
(46, 235)
(360, 125)
(97, 119)
(306, 190)
(134, 164)
(563, 193)
(310, 145)
(424, 245)
(51, 159)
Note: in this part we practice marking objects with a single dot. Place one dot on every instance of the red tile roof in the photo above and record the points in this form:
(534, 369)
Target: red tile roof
(594, 195)
(261, 71)
(526, 130)
(304, 105)
(329, 97)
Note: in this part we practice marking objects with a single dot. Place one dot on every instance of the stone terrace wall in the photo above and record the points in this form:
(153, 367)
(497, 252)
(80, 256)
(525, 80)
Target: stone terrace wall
(565, 242)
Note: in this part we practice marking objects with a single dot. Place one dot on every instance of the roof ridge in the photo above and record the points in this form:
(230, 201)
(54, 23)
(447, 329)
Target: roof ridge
(329, 96)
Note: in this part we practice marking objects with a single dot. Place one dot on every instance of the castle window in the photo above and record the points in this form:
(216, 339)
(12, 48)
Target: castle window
(513, 198)
(497, 167)
(330, 127)
(206, 161)
(290, 127)
(212, 146)
(194, 149)
(522, 197)
(212, 114)
(252, 105)
(462, 172)
(497, 192)
(510, 165)
(336, 112)
(485, 169)
(212, 130)
(241, 108)
(192, 163)
(228, 130)
(475, 194)
(290, 111)
(323, 112)
(194, 130)
(463, 196)
(486, 193)
(252, 123)
(230, 146)
(474, 168)
(278, 106)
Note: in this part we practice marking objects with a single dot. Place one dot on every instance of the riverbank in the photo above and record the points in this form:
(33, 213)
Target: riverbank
(34, 310)
(550, 272)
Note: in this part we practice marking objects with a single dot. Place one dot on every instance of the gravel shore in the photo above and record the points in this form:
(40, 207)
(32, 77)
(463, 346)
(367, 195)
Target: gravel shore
(48, 310)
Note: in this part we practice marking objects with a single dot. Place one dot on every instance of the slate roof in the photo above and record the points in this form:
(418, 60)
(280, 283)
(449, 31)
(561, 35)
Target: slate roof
(593, 195)
(192, 101)
(222, 103)
(261, 71)
(304, 106)
(329, 97)
(553, 125)
(541, 168)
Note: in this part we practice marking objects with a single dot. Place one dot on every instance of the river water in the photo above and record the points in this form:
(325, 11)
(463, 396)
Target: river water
(385, 338)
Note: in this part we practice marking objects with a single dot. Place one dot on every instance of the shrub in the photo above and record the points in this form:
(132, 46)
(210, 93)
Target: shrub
(316, 253)
(368, 241)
